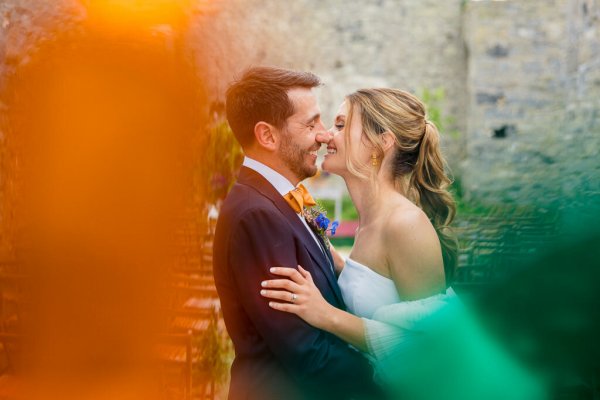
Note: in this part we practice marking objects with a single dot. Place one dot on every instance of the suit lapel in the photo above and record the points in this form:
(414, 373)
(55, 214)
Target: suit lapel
(253, 179)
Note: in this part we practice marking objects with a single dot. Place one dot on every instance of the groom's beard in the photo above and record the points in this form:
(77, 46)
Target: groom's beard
(294, 157)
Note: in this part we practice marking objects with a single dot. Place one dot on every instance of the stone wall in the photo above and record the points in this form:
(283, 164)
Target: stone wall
(521, 77)
(581, 125)
(409, 44)
(25, 23)
(533, 130)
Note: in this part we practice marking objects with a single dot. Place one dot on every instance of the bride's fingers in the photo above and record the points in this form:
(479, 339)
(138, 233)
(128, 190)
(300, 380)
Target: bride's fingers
(305, 274)
(281, 284)
(291, 273)
(287, 307)
(279, 295)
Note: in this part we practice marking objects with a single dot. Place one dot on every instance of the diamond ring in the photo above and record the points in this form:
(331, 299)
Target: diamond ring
(294, 297)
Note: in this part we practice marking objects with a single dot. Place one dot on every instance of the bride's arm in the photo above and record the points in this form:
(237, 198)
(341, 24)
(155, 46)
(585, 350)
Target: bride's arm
(309, 304)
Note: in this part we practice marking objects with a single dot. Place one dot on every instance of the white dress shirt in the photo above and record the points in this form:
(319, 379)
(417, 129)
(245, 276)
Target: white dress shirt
(280, 183)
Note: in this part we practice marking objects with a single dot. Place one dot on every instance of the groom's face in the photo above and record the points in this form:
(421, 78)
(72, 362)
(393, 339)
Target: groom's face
(299, 141)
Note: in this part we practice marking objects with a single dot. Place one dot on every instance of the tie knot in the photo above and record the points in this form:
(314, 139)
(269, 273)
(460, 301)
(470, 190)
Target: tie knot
(299, 198)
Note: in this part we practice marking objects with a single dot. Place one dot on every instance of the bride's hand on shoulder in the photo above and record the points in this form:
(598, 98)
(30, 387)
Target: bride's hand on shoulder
(297, 294)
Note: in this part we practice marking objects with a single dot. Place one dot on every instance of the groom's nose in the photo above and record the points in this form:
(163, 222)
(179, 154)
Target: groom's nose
(324, 137)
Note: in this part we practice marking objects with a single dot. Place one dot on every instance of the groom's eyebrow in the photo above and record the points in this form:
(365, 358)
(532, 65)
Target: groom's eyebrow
(314, 118)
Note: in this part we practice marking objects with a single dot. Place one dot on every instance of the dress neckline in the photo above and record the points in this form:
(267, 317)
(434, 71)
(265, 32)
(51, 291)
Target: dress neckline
(363, 266)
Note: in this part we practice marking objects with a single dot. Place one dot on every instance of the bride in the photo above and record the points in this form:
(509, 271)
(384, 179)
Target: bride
(401, 312)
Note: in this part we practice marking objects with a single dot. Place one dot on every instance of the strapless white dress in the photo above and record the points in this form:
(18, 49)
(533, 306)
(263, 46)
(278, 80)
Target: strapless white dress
(364, 290)
(414, 343)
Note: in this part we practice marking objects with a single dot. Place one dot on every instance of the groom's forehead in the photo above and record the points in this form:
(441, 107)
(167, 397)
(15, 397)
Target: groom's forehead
(304, 101)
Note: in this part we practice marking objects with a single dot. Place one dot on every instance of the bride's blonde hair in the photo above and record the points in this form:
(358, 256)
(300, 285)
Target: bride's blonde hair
(418, 166)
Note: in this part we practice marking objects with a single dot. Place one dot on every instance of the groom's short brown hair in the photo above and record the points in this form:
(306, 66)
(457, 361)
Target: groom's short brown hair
(261, 95)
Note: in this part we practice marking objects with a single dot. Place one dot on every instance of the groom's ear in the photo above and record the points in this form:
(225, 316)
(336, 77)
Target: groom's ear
(266, 135)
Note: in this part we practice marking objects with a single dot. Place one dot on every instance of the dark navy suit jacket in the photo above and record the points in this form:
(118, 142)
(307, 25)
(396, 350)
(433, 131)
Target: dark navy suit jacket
(278, 355)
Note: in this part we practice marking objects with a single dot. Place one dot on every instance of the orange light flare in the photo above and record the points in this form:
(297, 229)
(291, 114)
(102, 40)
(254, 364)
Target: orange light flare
(97, 140)
(119, 14)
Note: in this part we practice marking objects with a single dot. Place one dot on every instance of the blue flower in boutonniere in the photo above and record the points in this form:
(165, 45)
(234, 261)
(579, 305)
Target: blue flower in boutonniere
(316, 217)
(334, 227)
(322, 221)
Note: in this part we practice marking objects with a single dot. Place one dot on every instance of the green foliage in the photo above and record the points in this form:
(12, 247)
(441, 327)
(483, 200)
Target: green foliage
(473, 208)
(342, 243)
(328, 206)
(221, 159)
(213, 352)
(348, 210)
(434, 101)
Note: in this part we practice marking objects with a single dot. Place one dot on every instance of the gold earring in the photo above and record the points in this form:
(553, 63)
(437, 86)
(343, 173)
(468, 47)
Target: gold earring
(374, 161)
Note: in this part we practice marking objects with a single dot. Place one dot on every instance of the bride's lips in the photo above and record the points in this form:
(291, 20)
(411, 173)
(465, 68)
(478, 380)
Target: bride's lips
(331, 151)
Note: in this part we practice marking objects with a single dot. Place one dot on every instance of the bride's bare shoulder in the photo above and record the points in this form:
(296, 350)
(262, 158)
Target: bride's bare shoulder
(406, 219)
(413, 252)
(408, 233)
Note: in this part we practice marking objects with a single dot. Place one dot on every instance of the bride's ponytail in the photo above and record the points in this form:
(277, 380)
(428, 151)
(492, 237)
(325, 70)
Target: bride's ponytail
(430, 182)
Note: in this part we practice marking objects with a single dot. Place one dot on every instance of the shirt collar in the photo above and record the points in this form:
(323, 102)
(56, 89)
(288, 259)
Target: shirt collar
(279, 182)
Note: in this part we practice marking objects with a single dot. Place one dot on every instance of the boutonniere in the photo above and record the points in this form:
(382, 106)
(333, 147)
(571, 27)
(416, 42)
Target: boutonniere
(316, 217)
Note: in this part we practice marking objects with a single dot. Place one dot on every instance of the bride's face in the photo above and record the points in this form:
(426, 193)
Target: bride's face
(335, 160)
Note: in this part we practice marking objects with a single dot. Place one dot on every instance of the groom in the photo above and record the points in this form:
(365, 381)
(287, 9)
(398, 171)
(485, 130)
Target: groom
(274, 115)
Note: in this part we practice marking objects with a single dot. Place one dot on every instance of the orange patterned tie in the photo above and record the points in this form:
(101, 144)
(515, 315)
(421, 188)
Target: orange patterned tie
(299, 198)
